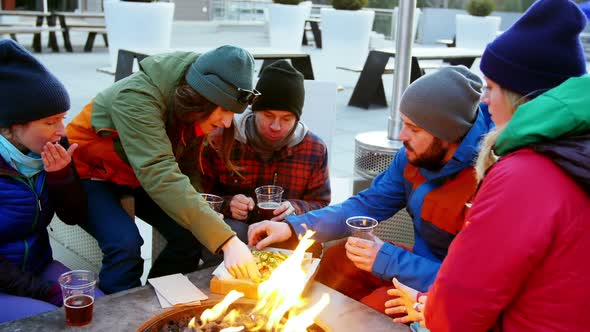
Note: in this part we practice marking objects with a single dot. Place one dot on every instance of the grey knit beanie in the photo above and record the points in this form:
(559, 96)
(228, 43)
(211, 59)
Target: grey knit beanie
(218, 74)
(444, 103)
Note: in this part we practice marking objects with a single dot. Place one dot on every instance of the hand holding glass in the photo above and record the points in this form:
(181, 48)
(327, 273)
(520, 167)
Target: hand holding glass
(362, 227)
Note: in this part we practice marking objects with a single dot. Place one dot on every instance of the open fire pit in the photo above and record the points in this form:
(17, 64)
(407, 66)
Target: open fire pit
(277, 309)
(177, 319)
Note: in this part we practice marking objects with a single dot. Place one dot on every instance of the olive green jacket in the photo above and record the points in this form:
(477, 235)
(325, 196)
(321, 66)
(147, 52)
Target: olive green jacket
(138, 108)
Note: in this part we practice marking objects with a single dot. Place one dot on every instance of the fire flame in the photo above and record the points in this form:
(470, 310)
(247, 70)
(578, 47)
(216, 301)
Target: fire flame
(275, 299)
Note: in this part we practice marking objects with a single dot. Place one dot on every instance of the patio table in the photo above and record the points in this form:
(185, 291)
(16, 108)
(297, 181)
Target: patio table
(300, 60)
(128, 310)
(314, 23)
(369, 87)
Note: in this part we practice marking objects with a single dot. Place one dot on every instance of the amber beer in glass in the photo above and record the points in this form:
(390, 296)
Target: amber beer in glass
(268, 199)
(77, 288)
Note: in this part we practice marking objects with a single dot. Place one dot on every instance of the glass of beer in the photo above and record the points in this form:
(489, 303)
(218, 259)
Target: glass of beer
(268, 199)
(214, 201)
(77, 288)
(361, 227)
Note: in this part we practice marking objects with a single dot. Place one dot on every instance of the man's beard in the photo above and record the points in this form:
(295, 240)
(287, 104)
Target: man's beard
(433, 158)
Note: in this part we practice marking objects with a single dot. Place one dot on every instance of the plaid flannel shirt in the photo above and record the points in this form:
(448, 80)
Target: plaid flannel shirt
(302, 171)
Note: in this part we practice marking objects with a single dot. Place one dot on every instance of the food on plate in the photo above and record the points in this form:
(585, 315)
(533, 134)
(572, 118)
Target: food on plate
(267, 261)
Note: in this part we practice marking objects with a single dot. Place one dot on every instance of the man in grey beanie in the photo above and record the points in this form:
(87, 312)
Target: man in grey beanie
(432, 177)
(142, 137)
(272, 147)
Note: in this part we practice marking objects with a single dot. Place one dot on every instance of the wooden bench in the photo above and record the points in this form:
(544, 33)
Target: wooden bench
(91, 29)
(14, 30)
(36, 29)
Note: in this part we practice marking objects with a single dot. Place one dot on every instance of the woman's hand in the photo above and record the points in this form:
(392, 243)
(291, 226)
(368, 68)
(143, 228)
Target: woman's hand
(55, 157)
(404, 302)
(240, 206)
(286, 209)
(363, 252)
(238, 260)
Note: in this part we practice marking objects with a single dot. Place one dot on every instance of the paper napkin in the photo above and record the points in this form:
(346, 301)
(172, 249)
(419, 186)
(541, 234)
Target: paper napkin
(176, 289)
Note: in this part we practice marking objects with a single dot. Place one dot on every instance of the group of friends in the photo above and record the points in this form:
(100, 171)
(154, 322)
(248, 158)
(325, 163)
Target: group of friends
(495, 175)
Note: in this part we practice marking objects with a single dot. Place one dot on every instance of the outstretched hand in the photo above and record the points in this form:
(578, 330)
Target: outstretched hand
(55, 157)
(265, 233)
(404, 302)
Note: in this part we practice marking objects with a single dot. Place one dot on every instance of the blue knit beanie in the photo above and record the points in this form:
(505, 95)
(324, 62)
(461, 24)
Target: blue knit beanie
(540, 51)
(218, 74)
(28, 91)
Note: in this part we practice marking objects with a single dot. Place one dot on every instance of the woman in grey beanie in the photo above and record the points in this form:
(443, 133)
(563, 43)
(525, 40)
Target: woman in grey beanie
(142, 137)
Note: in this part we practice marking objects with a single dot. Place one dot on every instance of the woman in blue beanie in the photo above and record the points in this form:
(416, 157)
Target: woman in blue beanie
(37, 179)
(520, 262)
(142, 137)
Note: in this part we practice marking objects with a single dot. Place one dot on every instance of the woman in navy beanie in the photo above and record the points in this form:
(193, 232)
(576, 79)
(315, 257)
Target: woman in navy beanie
(520, 262)
(37, 179)
(142, 138)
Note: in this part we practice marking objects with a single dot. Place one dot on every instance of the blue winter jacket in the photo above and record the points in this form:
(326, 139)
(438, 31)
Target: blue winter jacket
(27, 206)
(435, 200)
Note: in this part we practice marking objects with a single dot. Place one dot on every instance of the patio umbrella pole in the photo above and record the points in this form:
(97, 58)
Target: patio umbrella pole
(403, 57)
(375, 150)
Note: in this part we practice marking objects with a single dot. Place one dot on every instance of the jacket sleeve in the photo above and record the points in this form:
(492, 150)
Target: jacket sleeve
(412, 270)
(139, 119)
(318, 193)
(66, 194)
(503, 239)
(381, 200)
(16, 282)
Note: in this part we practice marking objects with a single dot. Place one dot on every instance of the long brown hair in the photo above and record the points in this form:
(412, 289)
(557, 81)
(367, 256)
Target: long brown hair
(191, 107)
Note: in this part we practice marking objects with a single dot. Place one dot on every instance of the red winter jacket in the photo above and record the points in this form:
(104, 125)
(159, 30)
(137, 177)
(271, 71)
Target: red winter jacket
(521, 261)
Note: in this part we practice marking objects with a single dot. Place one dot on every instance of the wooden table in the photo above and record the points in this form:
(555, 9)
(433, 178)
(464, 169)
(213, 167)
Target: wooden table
(92, 29)
(126, 311)
(300, 60)
(369, 87)
(36, 30)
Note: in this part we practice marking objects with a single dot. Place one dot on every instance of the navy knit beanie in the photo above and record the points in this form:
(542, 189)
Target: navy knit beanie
(217, 75)
(540, 51)
(28, 91)
(282, 89)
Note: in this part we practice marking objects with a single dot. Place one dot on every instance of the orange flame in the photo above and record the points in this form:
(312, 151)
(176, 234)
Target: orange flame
(275, 300)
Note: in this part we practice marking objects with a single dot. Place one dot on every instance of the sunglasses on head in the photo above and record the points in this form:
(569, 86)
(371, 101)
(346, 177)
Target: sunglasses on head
(248, 96)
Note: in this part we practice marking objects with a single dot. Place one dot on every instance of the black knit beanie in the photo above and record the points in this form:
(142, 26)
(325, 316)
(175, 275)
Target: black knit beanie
(28, 90)
(282, 89)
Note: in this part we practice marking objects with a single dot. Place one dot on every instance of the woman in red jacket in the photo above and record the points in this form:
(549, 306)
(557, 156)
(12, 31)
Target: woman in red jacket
(519, 264)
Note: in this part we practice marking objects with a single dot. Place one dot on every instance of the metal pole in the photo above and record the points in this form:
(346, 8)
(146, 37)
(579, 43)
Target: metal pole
(403, 63)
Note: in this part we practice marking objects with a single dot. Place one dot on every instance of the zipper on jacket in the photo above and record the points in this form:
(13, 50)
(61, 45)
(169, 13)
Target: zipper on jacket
(26, 256)
(274, 178)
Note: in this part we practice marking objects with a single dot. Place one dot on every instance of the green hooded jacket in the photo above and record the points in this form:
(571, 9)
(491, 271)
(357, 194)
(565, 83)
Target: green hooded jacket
(560, 112)
(138, 108)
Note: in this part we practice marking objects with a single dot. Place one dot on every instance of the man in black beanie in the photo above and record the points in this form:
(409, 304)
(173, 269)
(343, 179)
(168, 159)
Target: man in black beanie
(271, 147)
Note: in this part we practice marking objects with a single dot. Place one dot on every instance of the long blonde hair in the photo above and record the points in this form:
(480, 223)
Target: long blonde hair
(486, 157)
